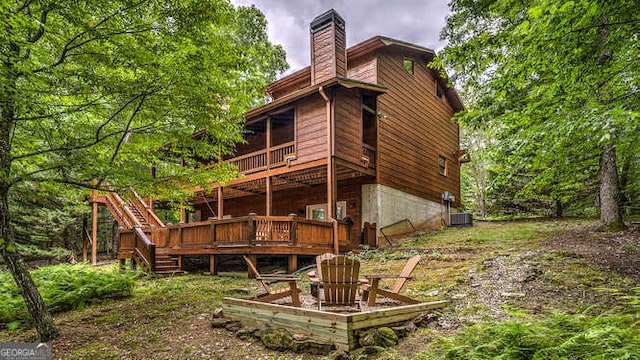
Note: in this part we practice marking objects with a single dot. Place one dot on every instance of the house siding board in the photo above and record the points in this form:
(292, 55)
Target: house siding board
(417, 129)
(348, 125)
(363, 69)
(328, 54)
(311, 129)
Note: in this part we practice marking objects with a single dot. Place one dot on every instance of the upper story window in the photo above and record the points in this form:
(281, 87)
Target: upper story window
(442, 165)
(408, 65)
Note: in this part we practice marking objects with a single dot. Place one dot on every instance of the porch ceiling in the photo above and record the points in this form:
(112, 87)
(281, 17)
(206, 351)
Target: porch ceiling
(287, 181)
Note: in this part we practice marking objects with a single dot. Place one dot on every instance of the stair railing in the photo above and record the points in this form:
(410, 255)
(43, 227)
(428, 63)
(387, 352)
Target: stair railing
(144, 209)
(133, 220)
(115, 205)
(144, 249)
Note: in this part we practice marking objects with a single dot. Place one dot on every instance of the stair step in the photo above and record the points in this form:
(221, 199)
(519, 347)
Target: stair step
(170, 273)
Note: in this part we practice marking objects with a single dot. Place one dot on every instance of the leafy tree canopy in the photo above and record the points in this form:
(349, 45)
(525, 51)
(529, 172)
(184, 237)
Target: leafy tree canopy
(92, 90)
(556, 81)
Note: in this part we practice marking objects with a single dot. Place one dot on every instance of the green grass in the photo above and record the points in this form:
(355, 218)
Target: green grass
(63, 287)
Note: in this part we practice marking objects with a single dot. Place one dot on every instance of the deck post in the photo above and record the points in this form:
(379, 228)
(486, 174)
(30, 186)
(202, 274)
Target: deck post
(220, 203)
(252, 228)
(269, 201)
(94, 233)
(213, 264)
(254, 261)
(293, 230)
(293, 263)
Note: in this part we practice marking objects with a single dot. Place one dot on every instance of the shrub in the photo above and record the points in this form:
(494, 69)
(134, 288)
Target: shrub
(63, 287)
(560, 336)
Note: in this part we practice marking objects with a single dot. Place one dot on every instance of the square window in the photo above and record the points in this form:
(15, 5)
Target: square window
(442, 165)
(408, 65)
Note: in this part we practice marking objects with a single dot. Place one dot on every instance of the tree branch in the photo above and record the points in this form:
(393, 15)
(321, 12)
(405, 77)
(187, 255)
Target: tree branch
(126, 130)
(70, 44)
(43, 22)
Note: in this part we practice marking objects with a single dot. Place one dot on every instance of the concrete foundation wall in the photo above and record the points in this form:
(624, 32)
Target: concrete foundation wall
(384, 206)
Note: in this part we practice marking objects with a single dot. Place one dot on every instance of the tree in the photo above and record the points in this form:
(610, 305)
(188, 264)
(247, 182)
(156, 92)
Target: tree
(559, 83)
(91, 90)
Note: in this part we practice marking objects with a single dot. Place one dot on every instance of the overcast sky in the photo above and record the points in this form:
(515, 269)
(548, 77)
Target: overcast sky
(415, 21)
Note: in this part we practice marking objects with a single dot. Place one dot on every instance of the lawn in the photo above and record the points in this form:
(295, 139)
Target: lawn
(528, 276)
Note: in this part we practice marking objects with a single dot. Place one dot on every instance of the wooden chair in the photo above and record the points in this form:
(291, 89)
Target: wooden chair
(371, 288)
(272, 294)
(339, 281)
(315, 276)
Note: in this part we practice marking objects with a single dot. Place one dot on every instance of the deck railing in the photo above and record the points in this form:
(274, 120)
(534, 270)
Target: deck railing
(256, 231)
(240, 235)
(257, 160)
(250, 162)
(369, 152)
(279, 154)
(144, 250)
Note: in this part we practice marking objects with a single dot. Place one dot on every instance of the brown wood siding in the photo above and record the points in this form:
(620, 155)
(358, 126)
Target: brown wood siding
(340, 52)
(348, 125)
(363, 69)
(311, 134)
(323, 55)
(294, 86)
(295, 202)
(416, 129)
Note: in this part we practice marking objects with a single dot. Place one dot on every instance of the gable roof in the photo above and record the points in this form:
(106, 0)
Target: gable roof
(309, 90)
(364, 48)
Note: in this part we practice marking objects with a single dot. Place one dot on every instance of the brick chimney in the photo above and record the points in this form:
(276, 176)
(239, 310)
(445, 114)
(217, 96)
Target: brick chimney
(328, 47)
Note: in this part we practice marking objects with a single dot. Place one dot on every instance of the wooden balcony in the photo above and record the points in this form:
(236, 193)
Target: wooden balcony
(263, 159)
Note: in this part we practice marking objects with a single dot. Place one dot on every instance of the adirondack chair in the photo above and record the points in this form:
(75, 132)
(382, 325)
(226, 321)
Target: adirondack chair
(272, 294)
(339, 281)
(315, 276)
(371, 288)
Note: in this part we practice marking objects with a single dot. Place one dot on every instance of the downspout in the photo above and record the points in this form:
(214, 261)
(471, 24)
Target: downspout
(330, 199)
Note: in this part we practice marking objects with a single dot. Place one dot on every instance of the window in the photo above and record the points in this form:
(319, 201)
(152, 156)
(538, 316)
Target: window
(319, 211)
(442, 165)
(408, 65)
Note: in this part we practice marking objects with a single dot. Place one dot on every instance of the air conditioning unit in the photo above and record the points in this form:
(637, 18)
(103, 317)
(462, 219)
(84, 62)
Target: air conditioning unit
(461, 219)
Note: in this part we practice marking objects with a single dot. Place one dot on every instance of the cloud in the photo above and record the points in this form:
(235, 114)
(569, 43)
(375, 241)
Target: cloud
(415, 21)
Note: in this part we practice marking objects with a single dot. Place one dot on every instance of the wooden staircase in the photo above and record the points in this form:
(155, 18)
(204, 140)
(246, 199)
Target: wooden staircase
(131, 212)
(167, 265)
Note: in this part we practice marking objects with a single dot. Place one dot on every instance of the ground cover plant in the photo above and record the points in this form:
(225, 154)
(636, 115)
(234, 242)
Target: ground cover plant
(579, 288)
(63, 287)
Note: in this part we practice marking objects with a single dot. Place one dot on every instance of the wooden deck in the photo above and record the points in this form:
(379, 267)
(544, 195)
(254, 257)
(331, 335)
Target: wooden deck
(248, 235)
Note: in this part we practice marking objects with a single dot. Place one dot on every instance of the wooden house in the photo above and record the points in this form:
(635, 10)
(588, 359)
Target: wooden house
(362, 135)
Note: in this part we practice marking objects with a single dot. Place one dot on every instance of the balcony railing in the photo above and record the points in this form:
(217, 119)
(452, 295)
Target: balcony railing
(280, 153)
(369, 154)
(257, 160)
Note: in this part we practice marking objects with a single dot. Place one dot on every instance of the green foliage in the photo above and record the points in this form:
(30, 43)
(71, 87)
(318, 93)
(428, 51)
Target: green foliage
(560, 336)
(556, 83)
(92, 90)
(64, 287)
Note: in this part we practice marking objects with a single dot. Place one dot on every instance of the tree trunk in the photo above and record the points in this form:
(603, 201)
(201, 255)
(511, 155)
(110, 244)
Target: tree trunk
(559, 211)
(610, 214)
(35, 304)
(42, 319)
